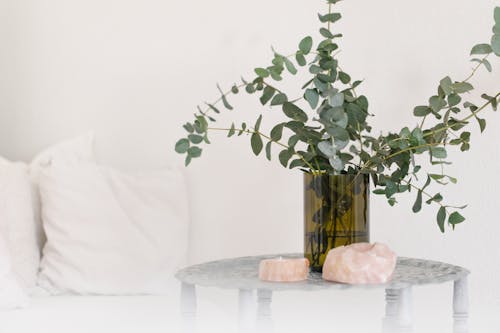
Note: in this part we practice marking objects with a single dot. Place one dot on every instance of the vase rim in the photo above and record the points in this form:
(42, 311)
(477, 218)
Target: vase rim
(308, 174)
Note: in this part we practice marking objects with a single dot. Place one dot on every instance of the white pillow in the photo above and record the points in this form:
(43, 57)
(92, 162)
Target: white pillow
(17, 225)
(72, 152)
(20, 224)
(12, 295)
(111, 233)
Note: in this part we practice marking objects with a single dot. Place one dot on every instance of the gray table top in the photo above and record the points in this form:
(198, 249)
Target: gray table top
(242, 273)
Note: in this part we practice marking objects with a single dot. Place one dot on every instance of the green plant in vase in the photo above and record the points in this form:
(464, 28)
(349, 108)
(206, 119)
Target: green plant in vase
(326, 134)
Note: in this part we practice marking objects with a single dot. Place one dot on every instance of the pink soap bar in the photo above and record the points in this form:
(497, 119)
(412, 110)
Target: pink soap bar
(360, 263)
(284, 270)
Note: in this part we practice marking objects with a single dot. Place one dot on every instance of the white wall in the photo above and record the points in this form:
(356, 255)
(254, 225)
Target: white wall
(134, 71)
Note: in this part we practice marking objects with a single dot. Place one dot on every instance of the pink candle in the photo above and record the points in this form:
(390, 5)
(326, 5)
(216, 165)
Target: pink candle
(284, 270)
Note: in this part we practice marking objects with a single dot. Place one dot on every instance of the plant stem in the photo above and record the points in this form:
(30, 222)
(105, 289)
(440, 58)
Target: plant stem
(329, 12)
(474, 70)
(474, 114)
(314, 171)
(227, 93)
(439, 130)
(425, 193)
(477, 68)
(412, 148)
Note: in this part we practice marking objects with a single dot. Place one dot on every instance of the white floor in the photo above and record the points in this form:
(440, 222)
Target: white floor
(333, 311)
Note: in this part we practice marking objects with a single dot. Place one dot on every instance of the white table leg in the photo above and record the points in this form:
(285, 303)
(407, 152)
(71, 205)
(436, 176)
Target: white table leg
(188, 307)
(245, 305)
(460, 306)
(398, 311)
(264, 313)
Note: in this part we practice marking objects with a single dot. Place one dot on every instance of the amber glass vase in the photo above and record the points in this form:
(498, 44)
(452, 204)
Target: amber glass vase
(336, 211)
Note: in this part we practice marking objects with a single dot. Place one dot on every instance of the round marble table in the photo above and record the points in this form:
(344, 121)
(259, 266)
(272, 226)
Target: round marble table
(242, 274)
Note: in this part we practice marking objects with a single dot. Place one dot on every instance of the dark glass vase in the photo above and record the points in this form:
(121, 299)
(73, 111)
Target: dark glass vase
(336, 211)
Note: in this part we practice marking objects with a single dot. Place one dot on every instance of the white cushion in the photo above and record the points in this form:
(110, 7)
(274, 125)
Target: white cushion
(20, 224)
(12, 296)
(70, 151)
(109, 232)
(17, 235)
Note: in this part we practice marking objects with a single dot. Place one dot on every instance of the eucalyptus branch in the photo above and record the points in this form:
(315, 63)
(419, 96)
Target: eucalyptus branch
(409, 149)
(247, 131)
(474, 71)
(342, 115)
(485, 105)
(424, 193)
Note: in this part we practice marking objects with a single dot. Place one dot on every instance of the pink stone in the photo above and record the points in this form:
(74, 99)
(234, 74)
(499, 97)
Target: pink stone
(360, 263)
(284, 270)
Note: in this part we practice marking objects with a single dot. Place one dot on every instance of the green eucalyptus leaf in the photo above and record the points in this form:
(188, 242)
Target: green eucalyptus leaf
(421, 111)
(447, 85)
(205, 138)
(267, 94)
(226, 103)
(337, 163)
(484, 62)
(338, 133)
(279, 99)
(194, 138)
(290, 66)
(189, 127)
(455, 218)
(462, 87)
(182, 146)
(268, 150)
(315, 69)
(297, 163)
(327, 148)
(306, 44)
(257, 144)
(277, 132)
(243, 129)
(292, 141)
(276, 76)
(441, 217)
(326, 33)
(495, 44)
(417, 206)
(232, 131)
(257, 124)
(294, 112)
(194, 152)
(437, 198)
(213, 108)
(301, 59)
(284, 157)
(344, 78)
(487, 65)
(438, 152)
(321, 86)
(454, 99)
(336, 100)
(327, 78)
(332, 17)
(437, 103)
(481, 49)
(312, 97)
(262, 72)
(482, 124)
(250, 88)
